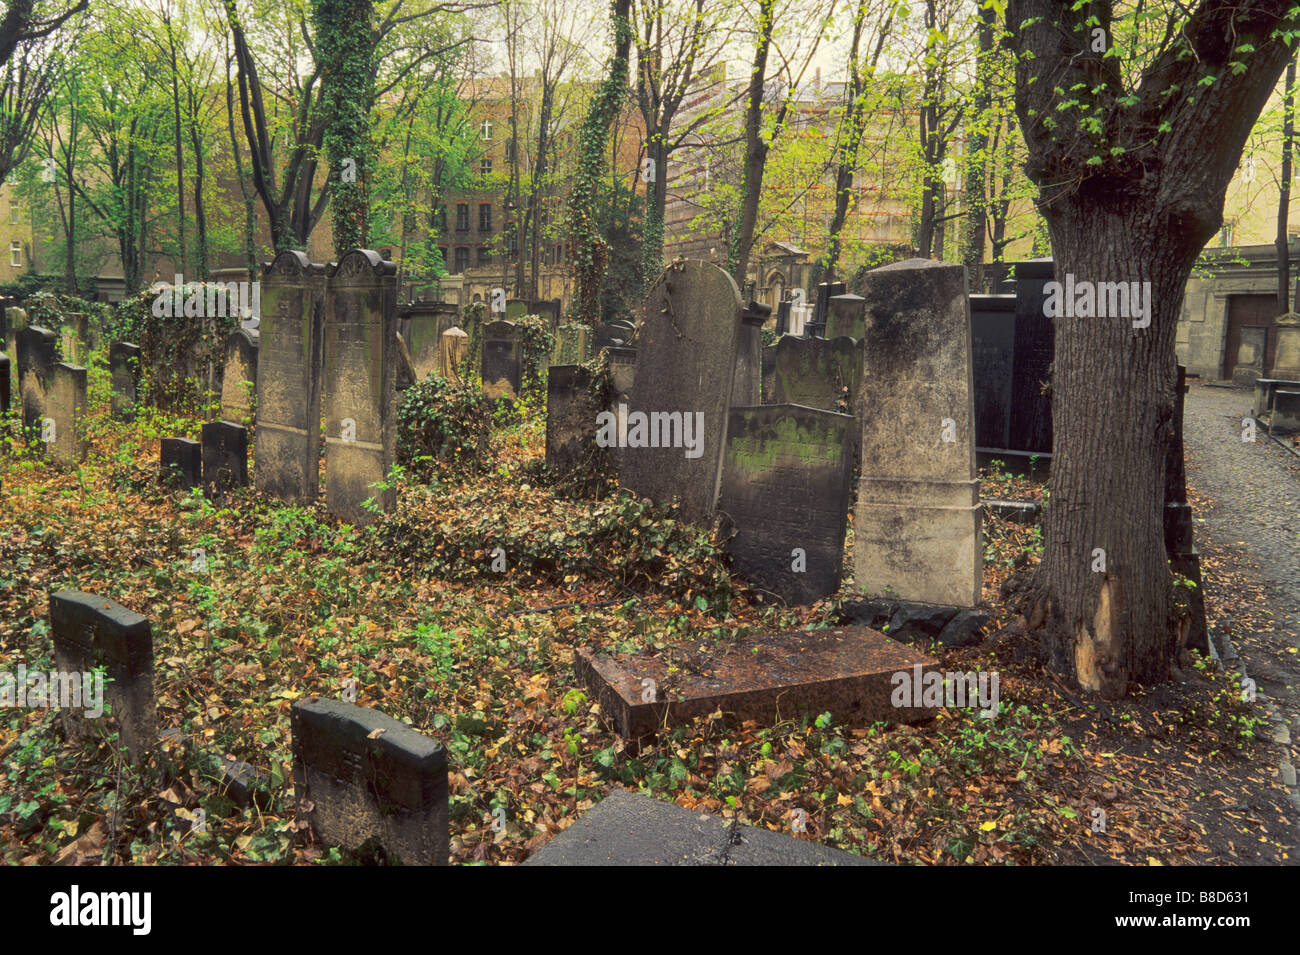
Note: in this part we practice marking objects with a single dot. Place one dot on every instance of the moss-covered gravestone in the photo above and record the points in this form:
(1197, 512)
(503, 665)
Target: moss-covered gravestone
(65, 410)
(239, 378)
(816, 373)
(36, 358)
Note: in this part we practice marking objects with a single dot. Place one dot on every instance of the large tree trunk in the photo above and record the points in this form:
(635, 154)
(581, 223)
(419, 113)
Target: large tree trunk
(755, 150)
(1284, 193)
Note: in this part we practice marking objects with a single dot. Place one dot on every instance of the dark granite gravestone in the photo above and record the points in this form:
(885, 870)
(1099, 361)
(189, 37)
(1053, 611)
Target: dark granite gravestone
(786, 476)
(1180, 543)
(65, 406)
(917, 523)
(817, 373)
(747, 390)
(993, 338)
(570, 344)
(239, 377)
(360, 363)
(90, 631)
(180, 462)
(502, 367)
(685, 363)
(1031, 409)
(124, 369)
(845, 317)
(1249, 363)
(291, 341)
(225, 457)
(36, 359)
(361, 775)
(4, 384)
(571, 410)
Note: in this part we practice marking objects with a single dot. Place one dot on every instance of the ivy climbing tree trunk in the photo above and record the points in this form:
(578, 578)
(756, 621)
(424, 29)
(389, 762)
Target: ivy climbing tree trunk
(751, 181)
(1284, 192)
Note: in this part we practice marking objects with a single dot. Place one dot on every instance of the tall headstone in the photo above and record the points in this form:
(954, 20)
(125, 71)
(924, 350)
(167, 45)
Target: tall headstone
(225, 457)
(360, 362)
(1031, 406)
(786, 477)
(360, 775)
(685, 364)
(124, 370)
(291, 341)
(239, 380)
(90, 631)
(455, 349)
(817, 373)
(816, 326)
(845, 317)
(1180, 542)
(502, 366)
(66, 408)
(917, 523)
(783, 317)
(747, 389)
(572, 407)
(36, 358)
(180, 462)
(993, 340)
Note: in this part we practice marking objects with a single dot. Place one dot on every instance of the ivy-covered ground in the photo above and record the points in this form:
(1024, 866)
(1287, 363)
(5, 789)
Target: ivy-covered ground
(293, 604)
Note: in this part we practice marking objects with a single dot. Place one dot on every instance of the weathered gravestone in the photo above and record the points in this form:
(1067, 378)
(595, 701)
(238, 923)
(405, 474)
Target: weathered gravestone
(239, 380)
(548, 309)
(993, 339)
(360, 775)
(786, 477)
(1286, 351)
(816, 325)
(36, 357)
(421, 326)
(74, 338)
(1030, 427)
(845, 317)
(516, 308)
(783, 317)
(572, 407)
(360, 362)
(1180, 543)
(124, 370)
(917, 523)
(685, 365)
(180, 462)
(455, 349)
(817, 373)
(747, 390)
(15, 321)
(570, 344)
(502, 366)
(225, 457)
(65, 408)
(90, 631)
(1249, 363)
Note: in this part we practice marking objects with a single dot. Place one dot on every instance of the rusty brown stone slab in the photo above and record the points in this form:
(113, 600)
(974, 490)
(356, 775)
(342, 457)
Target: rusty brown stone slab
(847, 671)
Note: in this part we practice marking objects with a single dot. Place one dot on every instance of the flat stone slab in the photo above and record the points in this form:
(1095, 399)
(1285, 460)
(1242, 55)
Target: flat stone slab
(847, 671)
(626, 828)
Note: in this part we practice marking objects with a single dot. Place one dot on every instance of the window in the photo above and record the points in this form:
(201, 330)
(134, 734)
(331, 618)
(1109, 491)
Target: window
(440, 219)
(484, 256)
(462, 217)
(559, 254)
(485, 167)
(15, 254)
(485, 130)
(13, 212)
(462, 258)
(485, 217)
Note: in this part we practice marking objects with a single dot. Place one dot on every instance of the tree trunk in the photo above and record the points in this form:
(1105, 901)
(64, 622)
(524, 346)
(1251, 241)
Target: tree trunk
(1284, 198)
(755, 150)
(977, 165)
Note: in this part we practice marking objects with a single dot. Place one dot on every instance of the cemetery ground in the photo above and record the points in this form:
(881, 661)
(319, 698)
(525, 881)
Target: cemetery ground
(288, 603)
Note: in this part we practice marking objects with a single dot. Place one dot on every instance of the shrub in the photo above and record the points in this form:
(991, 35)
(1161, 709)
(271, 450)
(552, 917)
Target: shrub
(442, 425)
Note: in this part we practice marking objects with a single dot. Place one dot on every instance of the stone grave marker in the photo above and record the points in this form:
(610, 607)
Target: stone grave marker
(993, 338)
(65, 406)
(361, 775)
(1286, 351)
(360, 362)
(36, 358)
(91, 631)
(768, 384)
(15, 321)
(571, 412)
(817, 373)
(786, 477)
(845, 317)
(685, 364)
(783, 317)
(516, 308)
(291, 341)
(917, 523)
(747, 389)
(225, 457)
(180, 462)
(455, 349)
(239, 380)
(816, 325)
(570, 344)
(502, 360)
(421, 326)
(1030, 428)
(1250, 354)
(549, 309)
(124, 370)
(1286, 413)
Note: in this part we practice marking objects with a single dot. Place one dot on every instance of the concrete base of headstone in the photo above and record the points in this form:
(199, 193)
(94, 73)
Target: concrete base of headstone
(847, 671)
(360, 775)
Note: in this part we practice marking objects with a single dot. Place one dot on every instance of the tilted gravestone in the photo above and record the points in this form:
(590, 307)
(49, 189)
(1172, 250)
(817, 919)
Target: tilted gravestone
(361, 775)
(291, 341)
(239, 379)
(65, 410)
(786, 477)
(817, 373)
(361, 365)
(845, 317)
(747, 390)
(571, 410)
(124, 371)
(91, 631)
(180, 462)
(917, 523)
(502, 366)
(685, 364)
(36, 358)
(225, 457)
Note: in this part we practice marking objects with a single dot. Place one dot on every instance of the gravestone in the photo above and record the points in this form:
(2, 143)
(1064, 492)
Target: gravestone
(786, 477)
(817, 373)
(993, 338)
(1286, 351)
(1180, 543)
(239, 380)
(571, 411)
(65, 406)
(124, 370)
(74, 338)
(783, 317)
(622, 372)
(360, 363)
(361, 775)
(570, 344)
(747, 390)
(548, 309)
(455, 349)
(516, 308)
(225, 457)
(917, 523)
(291, 340)
(816, 325)
(502, 360)
(4, 384)
(90, 631)
(845, 317)
(1249, 363)
(180, 462)
(1030, 428)
(421, 326)
(36, 358)
(768, 385)
(685, 363)
(15, 321)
